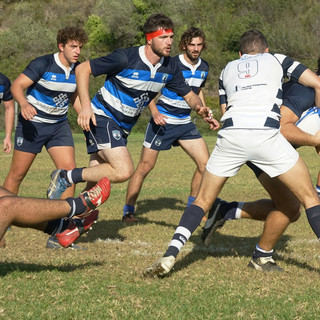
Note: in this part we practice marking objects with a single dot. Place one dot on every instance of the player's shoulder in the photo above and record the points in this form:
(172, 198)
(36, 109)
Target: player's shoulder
(4, 79)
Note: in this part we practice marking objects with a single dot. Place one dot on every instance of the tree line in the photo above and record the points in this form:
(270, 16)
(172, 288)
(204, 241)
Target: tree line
(28, 29)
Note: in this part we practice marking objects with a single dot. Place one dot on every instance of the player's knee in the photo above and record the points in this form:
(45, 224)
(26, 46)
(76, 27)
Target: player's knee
(124, 174)
(144, 168)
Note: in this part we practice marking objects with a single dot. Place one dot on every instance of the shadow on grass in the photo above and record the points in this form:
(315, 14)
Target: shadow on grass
(232, 246)
(9, 267)
(111, 228)
(224, 245)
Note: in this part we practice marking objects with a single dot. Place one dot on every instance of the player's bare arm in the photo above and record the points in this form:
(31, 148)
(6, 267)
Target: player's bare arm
(293, 133)
(9, 122)
(18, 87)
(159, 118)
(83, 72)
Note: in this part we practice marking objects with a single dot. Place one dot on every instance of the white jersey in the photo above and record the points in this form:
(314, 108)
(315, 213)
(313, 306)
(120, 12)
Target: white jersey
(252, 89)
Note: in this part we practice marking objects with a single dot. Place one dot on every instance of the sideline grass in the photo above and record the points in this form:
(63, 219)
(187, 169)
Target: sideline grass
(105, 282)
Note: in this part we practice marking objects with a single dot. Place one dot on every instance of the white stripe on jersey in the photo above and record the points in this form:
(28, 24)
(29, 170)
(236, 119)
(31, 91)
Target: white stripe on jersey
(175, 103)
(195, 82)
(57, 86)
(171, 120)
(281, 58)
(117, 105)
(47, 108)
(141, 84)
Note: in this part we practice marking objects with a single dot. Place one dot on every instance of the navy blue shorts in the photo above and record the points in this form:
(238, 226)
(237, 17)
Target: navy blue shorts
(106, 135)
(32, 136)
(164, 137)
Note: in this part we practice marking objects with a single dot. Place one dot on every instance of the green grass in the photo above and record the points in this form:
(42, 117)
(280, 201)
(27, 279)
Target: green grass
(105, 282)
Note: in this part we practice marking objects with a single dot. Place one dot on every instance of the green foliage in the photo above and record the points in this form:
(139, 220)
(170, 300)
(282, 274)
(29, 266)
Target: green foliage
(28, 29)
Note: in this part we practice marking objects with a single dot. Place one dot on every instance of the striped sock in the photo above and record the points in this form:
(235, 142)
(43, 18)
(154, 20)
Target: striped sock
(189, 222)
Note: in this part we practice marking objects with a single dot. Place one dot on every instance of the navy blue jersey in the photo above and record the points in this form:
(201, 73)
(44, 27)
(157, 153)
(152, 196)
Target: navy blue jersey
(53, 86)
(297, 97)
(5, 84)
(132, 82)
(174, 106)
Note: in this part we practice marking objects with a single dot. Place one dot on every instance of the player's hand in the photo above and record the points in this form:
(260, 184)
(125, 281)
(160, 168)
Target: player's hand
(206, 113)
(28, 111)
(7, 145)
(159, 119)
(84, 118)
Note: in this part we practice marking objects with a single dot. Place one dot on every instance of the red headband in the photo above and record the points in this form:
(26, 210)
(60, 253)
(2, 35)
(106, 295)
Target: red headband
(157, 33)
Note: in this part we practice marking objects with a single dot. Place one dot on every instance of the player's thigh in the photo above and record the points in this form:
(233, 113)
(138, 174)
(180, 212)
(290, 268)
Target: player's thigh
(210, 188)
(21, 163)
(197, 149)
(119, 158)
(298, 180)
(63, 157)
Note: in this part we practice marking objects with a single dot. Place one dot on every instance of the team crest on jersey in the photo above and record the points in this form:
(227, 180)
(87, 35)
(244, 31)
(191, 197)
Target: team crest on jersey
(165, 77)
(53, 77)
(116, 134)
(19, 141)
(158, 142)
(203, 75)
(135, 75)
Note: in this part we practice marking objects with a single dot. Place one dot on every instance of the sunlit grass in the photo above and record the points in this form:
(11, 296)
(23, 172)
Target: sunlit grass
(105, 282)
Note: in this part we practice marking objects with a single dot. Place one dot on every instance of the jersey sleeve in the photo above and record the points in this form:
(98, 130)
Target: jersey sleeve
(291, 69)
(36, 68)
(178, 84)
(222, 92)
(5, 82)
(112, 63)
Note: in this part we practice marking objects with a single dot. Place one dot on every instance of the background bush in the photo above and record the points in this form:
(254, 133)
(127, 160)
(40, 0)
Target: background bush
(28, 29)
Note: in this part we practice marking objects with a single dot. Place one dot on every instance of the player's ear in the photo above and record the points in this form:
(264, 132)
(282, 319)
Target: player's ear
(267, 50)
(240, 54)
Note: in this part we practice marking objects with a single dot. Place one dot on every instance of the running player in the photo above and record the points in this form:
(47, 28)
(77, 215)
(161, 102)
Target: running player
(134, 77)
(171, 124)
(51, 84)
(251, 89)
(8, 103)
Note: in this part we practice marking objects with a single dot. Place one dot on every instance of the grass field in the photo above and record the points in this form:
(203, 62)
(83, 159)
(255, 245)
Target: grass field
(104, 281)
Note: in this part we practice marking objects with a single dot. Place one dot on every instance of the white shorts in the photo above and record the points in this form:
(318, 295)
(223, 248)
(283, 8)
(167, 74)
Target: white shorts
(267, 149)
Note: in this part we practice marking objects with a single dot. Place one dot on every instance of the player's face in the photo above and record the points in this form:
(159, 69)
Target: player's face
(161, 45)
(71, 51)
(194, 48)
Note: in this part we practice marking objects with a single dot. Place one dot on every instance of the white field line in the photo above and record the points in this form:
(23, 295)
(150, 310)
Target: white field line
(142, 248)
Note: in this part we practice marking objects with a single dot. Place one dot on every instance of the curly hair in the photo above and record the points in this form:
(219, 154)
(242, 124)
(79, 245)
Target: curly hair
(71, 33)
(189, 34)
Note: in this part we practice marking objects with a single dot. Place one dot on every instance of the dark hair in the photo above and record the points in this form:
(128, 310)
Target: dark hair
(157, 21)
(253, 41)
(189, 34)
(71, 33)
(318, 69)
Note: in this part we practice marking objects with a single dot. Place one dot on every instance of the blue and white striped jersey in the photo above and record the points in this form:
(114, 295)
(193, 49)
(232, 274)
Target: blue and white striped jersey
(131, 83)
(5, 84)
(252, 89)
(53, 86)
(174, 106)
